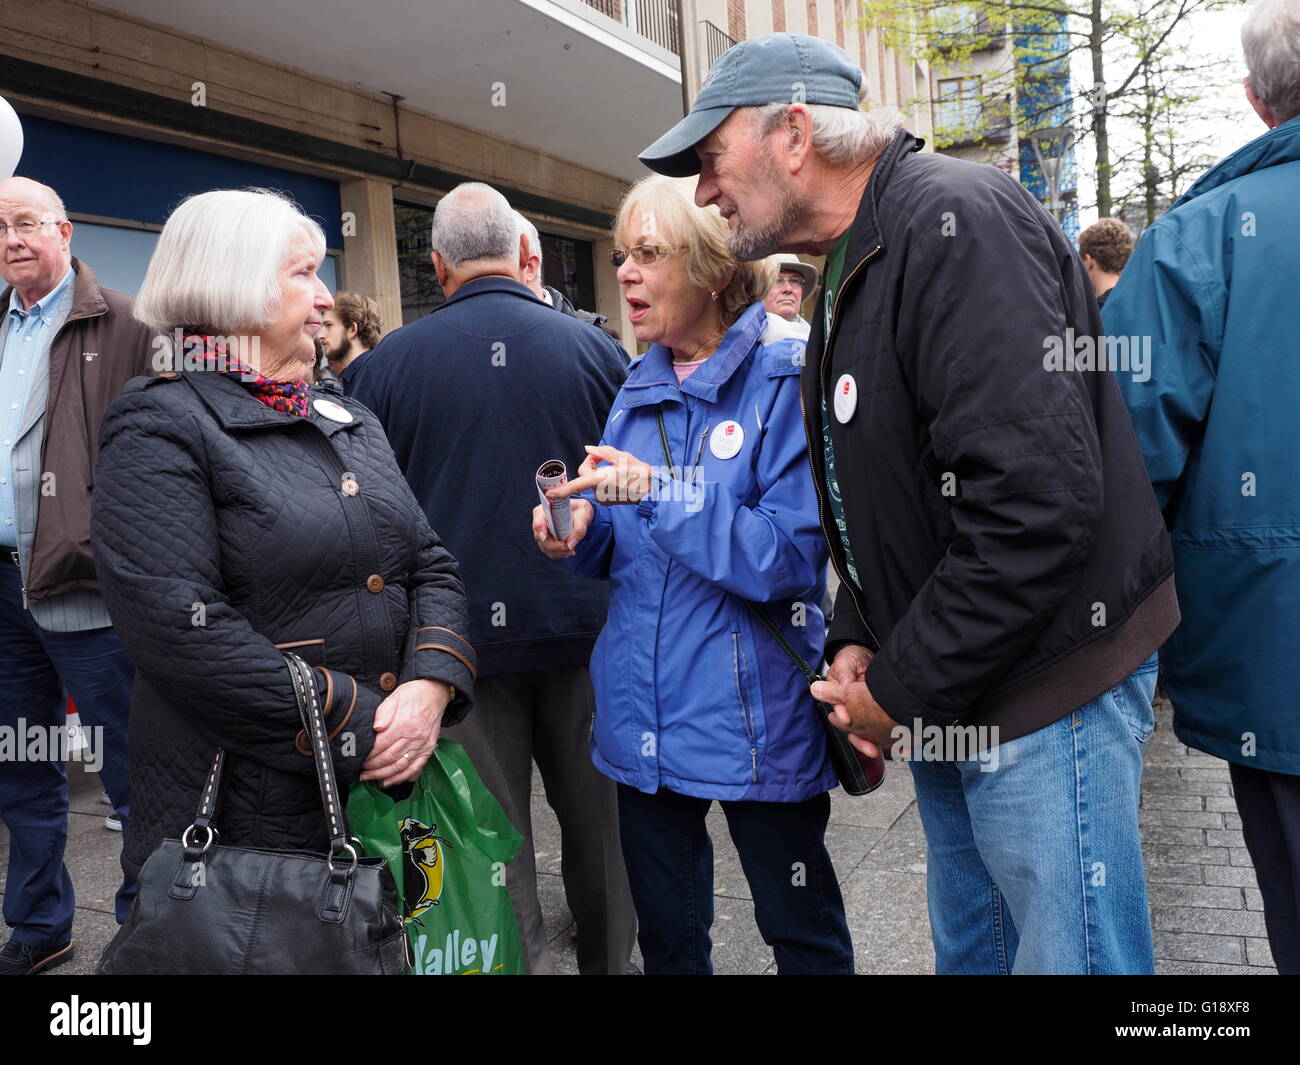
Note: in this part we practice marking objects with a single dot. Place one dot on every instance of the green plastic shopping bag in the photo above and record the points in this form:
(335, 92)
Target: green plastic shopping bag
(448, 844)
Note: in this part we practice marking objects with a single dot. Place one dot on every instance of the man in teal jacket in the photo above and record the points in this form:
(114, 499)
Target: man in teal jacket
(1209, 308)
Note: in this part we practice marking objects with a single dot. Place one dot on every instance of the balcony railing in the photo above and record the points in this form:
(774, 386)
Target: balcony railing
(964, 27)
(972, 120)
(715, 42)
(655, 20)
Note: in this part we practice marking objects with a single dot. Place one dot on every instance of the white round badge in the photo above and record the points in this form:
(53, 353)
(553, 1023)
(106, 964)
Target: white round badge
(846, 398)
(333, 411)
(727, 440)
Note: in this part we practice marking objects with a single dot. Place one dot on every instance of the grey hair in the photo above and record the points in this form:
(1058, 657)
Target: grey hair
(840, 135)
(1270, 39)
(474, 221)
(218, 260)
(56, 201)
(527, 229)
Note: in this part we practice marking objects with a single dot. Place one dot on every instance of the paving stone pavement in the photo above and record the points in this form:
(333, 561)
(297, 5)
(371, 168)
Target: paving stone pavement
(1205, 907)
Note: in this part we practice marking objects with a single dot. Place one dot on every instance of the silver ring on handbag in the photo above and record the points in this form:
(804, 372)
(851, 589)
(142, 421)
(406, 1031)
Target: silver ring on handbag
(186, 838)
(351, 851)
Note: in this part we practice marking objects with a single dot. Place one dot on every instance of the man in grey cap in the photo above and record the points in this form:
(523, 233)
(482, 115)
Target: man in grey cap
(795, 281)
(1005, 573)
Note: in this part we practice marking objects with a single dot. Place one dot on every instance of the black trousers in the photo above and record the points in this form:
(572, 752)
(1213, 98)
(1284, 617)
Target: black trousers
(545, 716)
(782, 848)
(1269, 804)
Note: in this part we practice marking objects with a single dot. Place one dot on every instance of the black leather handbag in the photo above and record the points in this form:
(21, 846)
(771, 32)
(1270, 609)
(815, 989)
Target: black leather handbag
(204, 908)
(858, 773)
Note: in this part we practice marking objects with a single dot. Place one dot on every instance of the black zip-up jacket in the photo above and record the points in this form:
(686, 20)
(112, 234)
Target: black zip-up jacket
(1013, 561)
(226, 532)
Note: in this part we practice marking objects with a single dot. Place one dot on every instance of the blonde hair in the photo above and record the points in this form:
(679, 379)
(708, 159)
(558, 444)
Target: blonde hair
(218, 261)
(668, 206)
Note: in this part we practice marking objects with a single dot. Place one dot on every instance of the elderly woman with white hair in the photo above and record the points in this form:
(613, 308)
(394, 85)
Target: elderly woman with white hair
(699, 509)
(239, 513)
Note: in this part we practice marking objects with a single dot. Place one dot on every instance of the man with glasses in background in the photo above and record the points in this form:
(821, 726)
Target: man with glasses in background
(67, 346)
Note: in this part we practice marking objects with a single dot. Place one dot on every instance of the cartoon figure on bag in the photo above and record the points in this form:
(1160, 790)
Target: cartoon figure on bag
(424, 865)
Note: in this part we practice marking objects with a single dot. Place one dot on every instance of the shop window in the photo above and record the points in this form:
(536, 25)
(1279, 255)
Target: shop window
(567, 265)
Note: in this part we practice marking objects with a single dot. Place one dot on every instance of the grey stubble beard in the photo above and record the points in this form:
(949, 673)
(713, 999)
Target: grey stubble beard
(749, 245)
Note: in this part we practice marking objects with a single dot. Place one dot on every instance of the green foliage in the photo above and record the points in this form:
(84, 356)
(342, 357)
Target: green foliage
(1136, 82)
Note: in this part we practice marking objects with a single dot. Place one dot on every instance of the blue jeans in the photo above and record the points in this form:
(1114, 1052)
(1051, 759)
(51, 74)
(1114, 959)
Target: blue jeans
(36, 667)
(669, 859)
(1036, 867)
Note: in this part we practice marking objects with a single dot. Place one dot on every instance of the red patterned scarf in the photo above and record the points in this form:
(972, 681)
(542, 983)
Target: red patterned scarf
(288, 397)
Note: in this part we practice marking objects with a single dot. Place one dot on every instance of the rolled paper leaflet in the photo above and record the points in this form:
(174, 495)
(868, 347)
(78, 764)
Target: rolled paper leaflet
(559, 518)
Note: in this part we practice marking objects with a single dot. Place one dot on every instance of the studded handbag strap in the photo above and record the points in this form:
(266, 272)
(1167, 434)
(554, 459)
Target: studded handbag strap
(210, 798)
(202, 832)
(313, 721)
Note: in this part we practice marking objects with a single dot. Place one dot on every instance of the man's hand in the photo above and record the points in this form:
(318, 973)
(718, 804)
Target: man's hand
(850, 664)
(581, 513)
(856, 713)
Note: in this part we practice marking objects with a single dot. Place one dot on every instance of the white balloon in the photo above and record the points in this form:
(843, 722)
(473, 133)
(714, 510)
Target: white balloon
(11, 139)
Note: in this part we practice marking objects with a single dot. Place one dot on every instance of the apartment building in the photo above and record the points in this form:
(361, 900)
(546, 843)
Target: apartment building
(985, 103)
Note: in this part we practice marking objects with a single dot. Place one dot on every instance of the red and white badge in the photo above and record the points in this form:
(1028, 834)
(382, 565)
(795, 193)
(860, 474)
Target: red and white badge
(727, 440)
(846, 398)
(335, 412)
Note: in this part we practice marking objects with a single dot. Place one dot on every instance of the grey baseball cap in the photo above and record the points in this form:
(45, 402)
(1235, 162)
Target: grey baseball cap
(776, 68)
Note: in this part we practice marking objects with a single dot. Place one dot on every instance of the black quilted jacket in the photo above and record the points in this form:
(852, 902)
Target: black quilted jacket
(224, 530)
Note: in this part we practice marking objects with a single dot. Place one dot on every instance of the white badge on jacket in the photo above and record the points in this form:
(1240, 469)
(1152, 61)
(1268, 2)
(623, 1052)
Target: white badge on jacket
(335, 412)
(727, 440)
(846, 398)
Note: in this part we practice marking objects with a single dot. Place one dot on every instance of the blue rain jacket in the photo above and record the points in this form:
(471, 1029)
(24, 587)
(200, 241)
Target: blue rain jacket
(1213, 285)
(692, 693)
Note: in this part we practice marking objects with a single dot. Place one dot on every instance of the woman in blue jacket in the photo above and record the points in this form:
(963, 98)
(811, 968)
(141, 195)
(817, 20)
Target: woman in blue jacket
(698, 498)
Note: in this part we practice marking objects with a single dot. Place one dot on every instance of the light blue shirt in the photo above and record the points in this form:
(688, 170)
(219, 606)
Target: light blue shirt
(24, 342)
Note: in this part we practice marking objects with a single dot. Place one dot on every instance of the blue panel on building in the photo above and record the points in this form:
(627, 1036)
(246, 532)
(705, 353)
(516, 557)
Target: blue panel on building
(141, 180)
(1047, 99)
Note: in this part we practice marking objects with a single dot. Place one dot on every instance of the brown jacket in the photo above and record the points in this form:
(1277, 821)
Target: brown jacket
(97, 350)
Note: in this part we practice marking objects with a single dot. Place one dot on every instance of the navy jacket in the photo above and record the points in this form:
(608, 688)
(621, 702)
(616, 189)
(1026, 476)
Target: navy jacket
(1210, 289)
(347, 379)
(474, 397)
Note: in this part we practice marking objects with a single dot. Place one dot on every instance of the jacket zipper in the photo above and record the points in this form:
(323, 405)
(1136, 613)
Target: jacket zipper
(663, 590)
(821, 502)
(737, 655)
(699, 454)
(746, 714)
